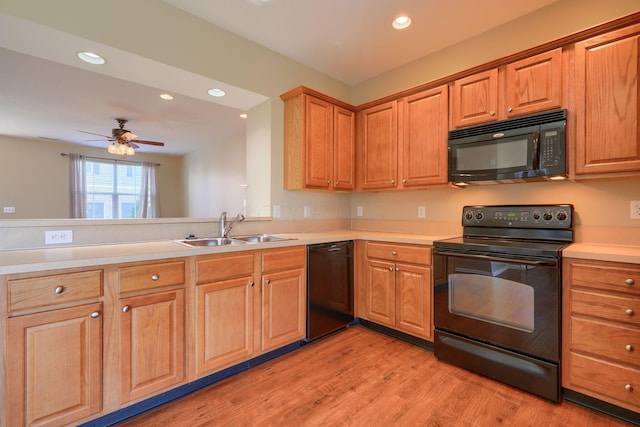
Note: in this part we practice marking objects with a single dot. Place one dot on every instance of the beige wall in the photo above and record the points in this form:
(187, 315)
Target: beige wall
(34, 178)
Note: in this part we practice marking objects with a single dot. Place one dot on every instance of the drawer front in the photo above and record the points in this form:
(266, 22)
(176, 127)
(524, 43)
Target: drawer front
(149, 276)
(275, 260)
(404, 253)
(620, 384)
(608, 307)
(216, 268)
(606, 277)
(603, 340)
(56, 289)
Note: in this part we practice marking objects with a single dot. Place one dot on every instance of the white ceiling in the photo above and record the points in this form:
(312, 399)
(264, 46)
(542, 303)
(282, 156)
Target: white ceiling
(45, 96)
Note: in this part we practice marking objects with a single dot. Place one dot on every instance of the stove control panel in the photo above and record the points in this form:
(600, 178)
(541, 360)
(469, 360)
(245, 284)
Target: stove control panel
(518, 216)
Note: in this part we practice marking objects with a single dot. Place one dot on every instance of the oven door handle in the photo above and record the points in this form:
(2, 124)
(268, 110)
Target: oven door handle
(543, 263)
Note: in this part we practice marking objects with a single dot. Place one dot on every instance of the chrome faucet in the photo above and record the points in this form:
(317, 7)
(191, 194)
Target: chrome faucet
(225, 227)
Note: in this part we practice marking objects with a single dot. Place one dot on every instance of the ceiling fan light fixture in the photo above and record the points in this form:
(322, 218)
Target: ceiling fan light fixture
(130, 150)
(91, 58)
(129, 135)
(401, 22)
(113, 149)
(216, 92)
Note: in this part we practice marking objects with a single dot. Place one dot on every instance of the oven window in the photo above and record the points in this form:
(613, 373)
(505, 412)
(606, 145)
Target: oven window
(492, 299)
(504, 154)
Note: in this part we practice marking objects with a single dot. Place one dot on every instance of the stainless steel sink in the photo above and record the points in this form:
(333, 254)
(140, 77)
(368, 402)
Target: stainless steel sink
(260, 238)
(211, 241)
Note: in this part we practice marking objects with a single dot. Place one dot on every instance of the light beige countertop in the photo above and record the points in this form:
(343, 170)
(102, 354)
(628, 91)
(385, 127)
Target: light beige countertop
(32, 260)
(616, 253)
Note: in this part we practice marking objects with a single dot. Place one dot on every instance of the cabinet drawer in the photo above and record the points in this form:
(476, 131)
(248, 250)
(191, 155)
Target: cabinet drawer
(56, 289)
(215, 268)
(608, 307)
(148, 276)
(284, 259)
(603, 340)
(620, 384)
(405, 253)
(608, 277)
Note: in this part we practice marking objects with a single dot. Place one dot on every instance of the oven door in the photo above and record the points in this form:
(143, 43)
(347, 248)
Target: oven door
(511, 303)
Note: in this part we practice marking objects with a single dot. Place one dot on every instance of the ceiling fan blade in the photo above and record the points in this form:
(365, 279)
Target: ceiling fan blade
(97, 140)
(134, 145)
(140, 141)
(91, 133)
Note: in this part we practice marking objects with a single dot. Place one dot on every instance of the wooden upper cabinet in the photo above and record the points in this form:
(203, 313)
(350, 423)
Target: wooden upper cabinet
(522, 87)
(607, 104)
(475, 99)
(423, 137)
(378, 147)
(319, 142)
(534, 84)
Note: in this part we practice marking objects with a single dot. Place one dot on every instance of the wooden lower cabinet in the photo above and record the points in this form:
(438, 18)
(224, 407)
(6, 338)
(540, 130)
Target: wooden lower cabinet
(151, 343)
(399, 287)
(601, 331)
(54, 366)
(283, 308)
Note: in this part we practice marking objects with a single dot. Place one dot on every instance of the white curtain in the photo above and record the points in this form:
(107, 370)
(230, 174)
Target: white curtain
(77, 186)
(149, 202)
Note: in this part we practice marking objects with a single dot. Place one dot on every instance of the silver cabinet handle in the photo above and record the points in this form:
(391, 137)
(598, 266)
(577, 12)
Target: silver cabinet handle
(629, 281)
(394, 253)
(126, 308)
(397, 268)
(155, 277)
(393, 181)
(95, 314)
(629, 312)
(251, 283)
(404, 181)
(390, 268)
(58, 290)
(628, 387)
(628, 347)
(267, 281)
(509, 109)
(492, 113)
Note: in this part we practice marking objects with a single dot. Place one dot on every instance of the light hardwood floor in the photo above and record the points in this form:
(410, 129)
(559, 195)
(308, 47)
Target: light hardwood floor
(359, 377)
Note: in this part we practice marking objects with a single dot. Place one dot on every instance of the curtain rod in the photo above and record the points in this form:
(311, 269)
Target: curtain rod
(111, 160)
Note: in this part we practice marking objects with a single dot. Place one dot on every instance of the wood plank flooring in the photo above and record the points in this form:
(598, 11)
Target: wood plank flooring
(359, 377)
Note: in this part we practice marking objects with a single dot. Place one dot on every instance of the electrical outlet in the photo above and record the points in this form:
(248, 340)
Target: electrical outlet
(9, 209)
(422, 212)
(276, 211)
(58, 237)
(307, 211)
(635, 209)
(359, 211)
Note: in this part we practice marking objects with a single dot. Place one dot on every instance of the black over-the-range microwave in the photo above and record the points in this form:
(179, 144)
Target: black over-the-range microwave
(525, 148)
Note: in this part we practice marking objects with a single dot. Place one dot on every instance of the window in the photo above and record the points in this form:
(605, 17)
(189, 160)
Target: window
(113, 190)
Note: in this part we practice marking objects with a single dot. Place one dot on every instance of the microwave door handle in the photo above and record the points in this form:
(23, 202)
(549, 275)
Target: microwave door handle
(542, 263)
(536, 150)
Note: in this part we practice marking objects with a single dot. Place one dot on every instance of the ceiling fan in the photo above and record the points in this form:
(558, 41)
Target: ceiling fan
(125, 139)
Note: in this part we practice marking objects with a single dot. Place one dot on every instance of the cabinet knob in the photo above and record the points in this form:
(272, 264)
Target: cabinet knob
(394, 253)
(390, 268)
(629, 281)
(492, 113)
(267, 281)
(328, 181)
(126, 308)
(629, 312)
(397, 268)
(155, 277)
(628, 387)
(337, 182)
(628, 347)
(58, 290)
(393, 181)
(95, 314)
(251, 283)
(404, 181)
(509, 109)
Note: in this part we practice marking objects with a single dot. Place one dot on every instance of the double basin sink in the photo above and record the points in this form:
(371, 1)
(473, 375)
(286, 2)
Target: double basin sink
(223, 241)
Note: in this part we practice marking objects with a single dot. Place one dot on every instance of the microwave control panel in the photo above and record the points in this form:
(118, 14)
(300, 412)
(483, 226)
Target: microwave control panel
(552, 155)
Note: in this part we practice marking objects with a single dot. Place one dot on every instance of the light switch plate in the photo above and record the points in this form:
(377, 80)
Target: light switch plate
(635, 209)
(422, 212)
(276, 211)
(307, 211)
(359, 211)
(58, 237)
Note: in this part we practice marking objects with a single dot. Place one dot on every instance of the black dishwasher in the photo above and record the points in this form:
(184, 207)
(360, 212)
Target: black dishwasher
(330, 288)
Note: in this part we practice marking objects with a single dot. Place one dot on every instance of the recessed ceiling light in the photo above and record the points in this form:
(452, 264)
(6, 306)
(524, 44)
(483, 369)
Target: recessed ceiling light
(401, 22)
(166, 96)
(91, 58)
(243, 115)
(216, 92)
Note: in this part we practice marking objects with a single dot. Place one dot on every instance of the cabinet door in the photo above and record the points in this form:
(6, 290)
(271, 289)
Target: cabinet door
(380, 292)
(224, 324)
(413, 300)
(284, 299)
(607, 132)
(534, 84)
(344, 144)
(475, 99)
(423, 147)
(319, 142)
(151, 343)
(378, 155)
(55, 366)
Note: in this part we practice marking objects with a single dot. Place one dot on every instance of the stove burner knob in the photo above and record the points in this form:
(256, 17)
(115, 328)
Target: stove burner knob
(536, 215)
(468, 215)
(562, 215)
(547, 216)
(479, 215)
